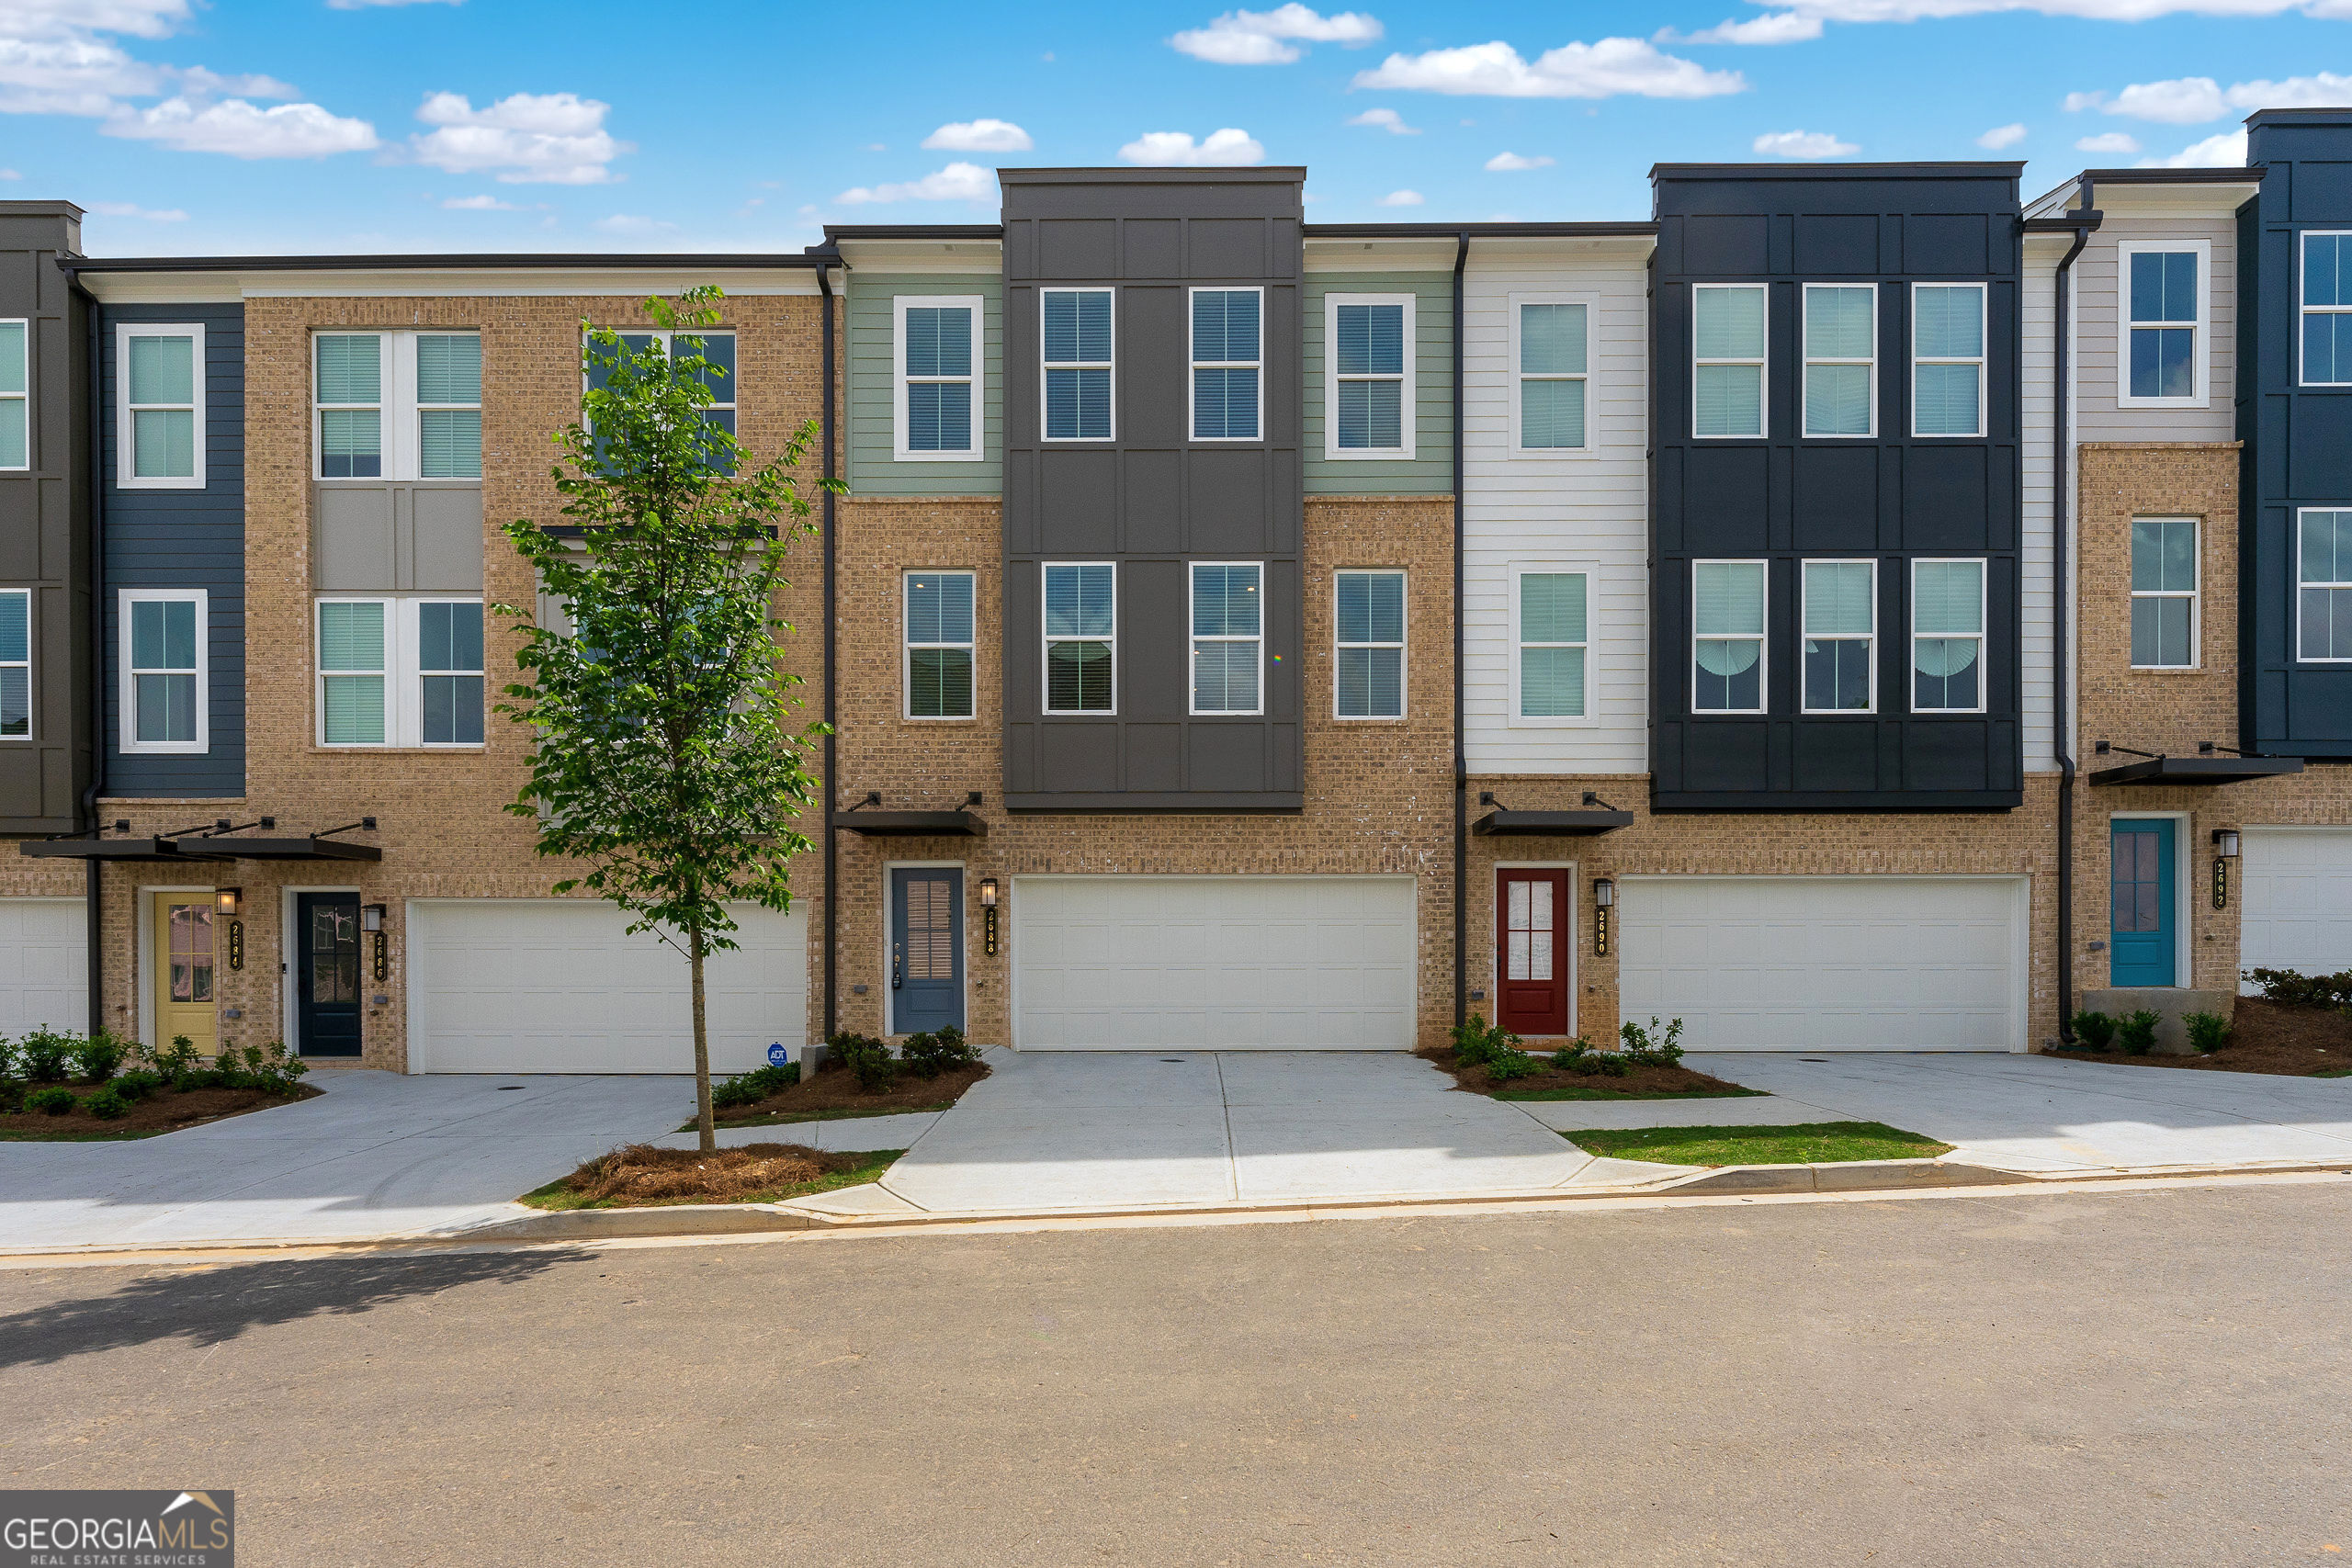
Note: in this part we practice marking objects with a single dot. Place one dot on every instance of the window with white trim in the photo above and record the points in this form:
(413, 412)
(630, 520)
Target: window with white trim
(937, 345)
(1077, 339)
(1228, 337)
(1551, 369)
(714, 347)
(16, 663)
(1947, 636)
(16, 394)
(2164, 347)
(1368, 382)
(1840, 359)
(2163, 593)
(159, 407)
(1841, 634)
(1082, 636)
(1728, 653)
(1552, 643)
(1228, 636)
(2328, 309)
(939, 644)
(165, 700)
(397, 405)
(1368, 644)
(1946, 359)
(400, 670)
(2324, 587)
(1727, 337)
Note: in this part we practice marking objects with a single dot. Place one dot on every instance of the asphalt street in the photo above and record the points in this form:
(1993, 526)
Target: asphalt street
(2156, 1377)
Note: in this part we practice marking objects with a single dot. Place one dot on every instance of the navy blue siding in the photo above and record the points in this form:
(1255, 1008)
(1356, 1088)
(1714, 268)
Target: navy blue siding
(184, 539)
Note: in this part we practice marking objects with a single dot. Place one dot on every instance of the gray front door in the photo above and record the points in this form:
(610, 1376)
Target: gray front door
(926, 948)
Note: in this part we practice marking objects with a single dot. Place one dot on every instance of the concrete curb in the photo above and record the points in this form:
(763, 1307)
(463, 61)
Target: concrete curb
(675, 1219)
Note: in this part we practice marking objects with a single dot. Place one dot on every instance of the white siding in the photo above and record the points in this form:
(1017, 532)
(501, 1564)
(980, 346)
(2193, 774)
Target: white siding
(1589, 508)
(2041, 322)
(2210, 220)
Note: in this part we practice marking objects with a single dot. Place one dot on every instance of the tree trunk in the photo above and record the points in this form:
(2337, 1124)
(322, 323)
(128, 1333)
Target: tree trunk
(702, 1044)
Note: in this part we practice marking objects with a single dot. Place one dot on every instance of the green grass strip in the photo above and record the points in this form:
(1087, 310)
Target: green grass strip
(1819, 1142)
(556, 1197)
(1586, 1091)
(837, 1114)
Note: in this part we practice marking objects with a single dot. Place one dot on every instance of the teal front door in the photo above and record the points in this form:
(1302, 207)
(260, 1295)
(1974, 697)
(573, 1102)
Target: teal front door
(2140, 899)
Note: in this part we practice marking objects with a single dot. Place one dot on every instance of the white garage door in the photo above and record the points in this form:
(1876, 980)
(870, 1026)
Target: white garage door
(552, 986)
(44, 965)
(1828, 963)
(1213, 963)
(2298, 893)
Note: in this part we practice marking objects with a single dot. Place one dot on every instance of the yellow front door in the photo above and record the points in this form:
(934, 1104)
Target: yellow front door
(184, 995)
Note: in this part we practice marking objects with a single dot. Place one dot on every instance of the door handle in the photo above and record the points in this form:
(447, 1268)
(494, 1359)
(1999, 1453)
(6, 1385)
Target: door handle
(897, 954)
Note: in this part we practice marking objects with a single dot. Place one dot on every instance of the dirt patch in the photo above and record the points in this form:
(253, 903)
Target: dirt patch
(640, 1175)
(1639, 1083)
(162, 1111)
(835, 1088)
(2266, 1037)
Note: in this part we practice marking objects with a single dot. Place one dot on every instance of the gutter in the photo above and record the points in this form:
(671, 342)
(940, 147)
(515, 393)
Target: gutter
(2084, 219)
(832, 750)
(504, 261)
(1460, 754)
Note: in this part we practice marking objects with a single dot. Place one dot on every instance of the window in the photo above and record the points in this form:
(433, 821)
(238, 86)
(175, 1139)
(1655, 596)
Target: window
(2163, 593)
(938, 377)
(1076, 337)
(1081, 639)
(159, 413)
(1228, 640)
(1552, 645)
(397, 405)
(1227, 332)
(1947, 636)
(717, 349)
(164, 697)
(2323, 581)
(1840, 636)
(1840, 358)
(16, 663)
(1368, 629)
(1727, 637)
(939, 644)
(1551, 365)
(1727, 348)
(16, 407)
(2164, 323)
(2328, 309)
(1946, 359)
(405, 671)
(1366, 388)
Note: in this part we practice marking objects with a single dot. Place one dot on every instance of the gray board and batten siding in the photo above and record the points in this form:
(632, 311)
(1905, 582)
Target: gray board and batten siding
(875, 469)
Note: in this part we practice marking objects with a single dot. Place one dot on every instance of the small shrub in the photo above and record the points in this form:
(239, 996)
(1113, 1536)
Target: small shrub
(2209, 1031)
(2138, 1032)
(1512, 1063)
(273, 1069)
(12, 1097)
(750, 1088)
(137, 1084)
(176, 1063)
(2094, 1031)
(1476, 1042)
(7, 1058)
(867, 1057)
(107, 1104)
(45, 1056)
(1654, 1046)
(928, 1055)
(97, 1058)
(54, 1100)
(2295, 990)
(1569, 1058)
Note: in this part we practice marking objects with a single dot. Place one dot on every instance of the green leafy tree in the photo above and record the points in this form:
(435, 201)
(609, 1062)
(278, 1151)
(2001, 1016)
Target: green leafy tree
(666, 758)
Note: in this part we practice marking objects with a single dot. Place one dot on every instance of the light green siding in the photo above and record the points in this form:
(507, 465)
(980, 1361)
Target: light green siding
(872, 470)
(1430, 471)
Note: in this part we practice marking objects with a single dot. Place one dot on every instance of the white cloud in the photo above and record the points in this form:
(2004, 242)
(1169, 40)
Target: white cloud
(1223, 149)
(1388, 120)
(2108, 142)
(523, 138)
(2324, 91)
(2190, 100)
(2226, 150)
(978, 136)
(127, 209)
(631, 223)
(1602, 70)
(1511, 162)
(958, 182)
(1804, 145)
(2193, 100)
(1781, 26)
(2001, 136)
(10, 175)
(1402, 199)
(478, 204)
(1261, 37)
(238, 129)
(2075, 103)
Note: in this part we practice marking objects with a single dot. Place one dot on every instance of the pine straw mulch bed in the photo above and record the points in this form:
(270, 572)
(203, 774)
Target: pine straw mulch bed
(833, 1093)
(1639, 1083)
(642, 1176)
(2267, 1037)
(162, 1111)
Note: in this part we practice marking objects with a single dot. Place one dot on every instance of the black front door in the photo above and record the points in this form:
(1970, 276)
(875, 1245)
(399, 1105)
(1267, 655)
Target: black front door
(326, 978)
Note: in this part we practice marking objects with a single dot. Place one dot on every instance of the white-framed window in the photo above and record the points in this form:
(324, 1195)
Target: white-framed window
(1840, 627)
(1550, 612)
(2328, 309)
(1727, 337)
(2164, 593)
(1368, 643)
(714, 345)
(1947, 636)
(16, 394)
(159, 406)
(1551, 356)
(1229, 606)
(937, 345)
(2324, 586)
(1081, 651)
(165, 661)
(1368, 376)
(939, 644)
(16, 663)
(1946, 359)
(1728, 659)
(2163, 326)
(1228, 364)
(1077, 338)
(1840, 359)
(400, 670)
(397, 405)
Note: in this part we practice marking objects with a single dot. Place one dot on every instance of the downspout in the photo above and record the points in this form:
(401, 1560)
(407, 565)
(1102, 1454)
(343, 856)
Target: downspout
(93, 870)
(1460, 753)
(832, 517)
(2061, 488)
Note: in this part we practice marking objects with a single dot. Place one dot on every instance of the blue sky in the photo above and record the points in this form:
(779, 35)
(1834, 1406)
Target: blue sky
(277, 126)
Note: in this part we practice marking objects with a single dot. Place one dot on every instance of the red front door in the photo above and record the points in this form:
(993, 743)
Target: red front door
(1532, 952)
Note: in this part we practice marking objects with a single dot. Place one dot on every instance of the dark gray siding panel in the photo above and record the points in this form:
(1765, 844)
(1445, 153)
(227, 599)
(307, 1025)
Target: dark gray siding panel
(184, 539)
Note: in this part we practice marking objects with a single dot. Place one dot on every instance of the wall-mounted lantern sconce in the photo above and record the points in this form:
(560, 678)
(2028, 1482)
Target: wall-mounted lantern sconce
(371, 920)
(229, 899)
(2225, 842)
(1604, 899)
(987, 915)
(2226, 849)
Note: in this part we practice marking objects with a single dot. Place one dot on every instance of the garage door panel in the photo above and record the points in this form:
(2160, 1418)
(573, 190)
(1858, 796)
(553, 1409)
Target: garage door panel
(44, 965)
(2296, 887)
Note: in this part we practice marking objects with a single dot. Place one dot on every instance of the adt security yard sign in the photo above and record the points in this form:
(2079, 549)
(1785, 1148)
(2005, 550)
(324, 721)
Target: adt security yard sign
(778, 1055)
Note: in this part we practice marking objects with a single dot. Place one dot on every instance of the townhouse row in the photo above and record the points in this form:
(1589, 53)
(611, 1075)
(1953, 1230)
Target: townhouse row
(1856, 608)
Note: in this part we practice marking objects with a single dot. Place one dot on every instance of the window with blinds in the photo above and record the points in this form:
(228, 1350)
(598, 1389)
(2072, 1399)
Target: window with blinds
(163, 670)
(1552, 367)
(1227, 363)
(2326, 309)
(1727, 663)
(1553, 644)
(1728, 334)
(939, 376)
(16, 663)
(397, 405)
(404, 670)
(2163, 593)
(716, 350)
(1228, 640)
(160, 407)
(939, 644)
(1948, 360)
(16, 395)
(1840, 626)
(2324, 586)
(1369, 338)
(1840, 358)
(1076, 334)
(2164, 323)
(1081, 637)
(1947, 636)
(1368, 655)
(930, 951)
